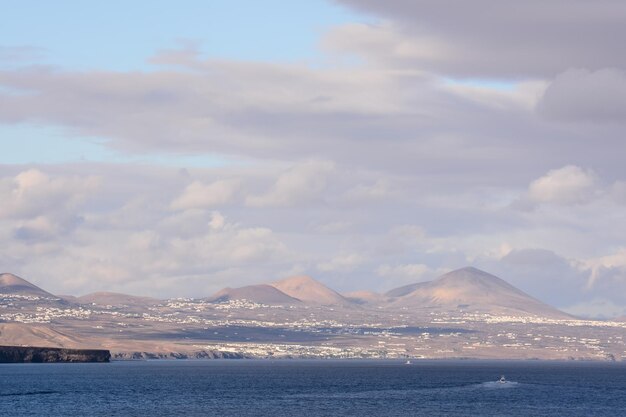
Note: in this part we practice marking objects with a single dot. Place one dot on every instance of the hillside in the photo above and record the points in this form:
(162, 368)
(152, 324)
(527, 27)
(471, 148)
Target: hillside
(261, 294)
(12, 284)
(310, 291)
(472, 289)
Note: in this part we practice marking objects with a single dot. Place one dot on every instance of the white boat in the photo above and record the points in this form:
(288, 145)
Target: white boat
(408, 363)
(502, 380)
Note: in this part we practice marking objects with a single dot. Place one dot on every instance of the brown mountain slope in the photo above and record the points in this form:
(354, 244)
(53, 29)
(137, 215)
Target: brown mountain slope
(309, 290)
(12, 284)
(262, 294)
(472, 289)
(20, 334)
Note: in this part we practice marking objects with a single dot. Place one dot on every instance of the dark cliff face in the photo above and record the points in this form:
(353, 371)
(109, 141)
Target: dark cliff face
(19, 354)
(203, 354)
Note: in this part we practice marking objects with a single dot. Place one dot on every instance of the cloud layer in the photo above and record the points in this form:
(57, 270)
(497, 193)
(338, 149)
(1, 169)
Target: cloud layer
(497, 39)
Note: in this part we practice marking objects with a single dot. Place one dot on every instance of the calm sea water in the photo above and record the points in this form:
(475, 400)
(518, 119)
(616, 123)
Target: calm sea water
(313, 388)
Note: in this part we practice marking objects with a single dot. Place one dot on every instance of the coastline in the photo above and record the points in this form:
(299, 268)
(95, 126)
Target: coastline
(34, 354)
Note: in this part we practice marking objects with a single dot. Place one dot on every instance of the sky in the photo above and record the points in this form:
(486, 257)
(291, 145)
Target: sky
(173, 149)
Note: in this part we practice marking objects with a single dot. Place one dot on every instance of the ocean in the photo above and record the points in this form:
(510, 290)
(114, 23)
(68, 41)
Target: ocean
(314, 388)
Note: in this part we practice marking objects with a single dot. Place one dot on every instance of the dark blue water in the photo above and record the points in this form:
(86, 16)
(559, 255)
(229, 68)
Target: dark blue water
(313, 388)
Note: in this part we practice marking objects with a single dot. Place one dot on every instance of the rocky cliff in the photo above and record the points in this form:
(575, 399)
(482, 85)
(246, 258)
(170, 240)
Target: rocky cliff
(203, 354)
(19, 354)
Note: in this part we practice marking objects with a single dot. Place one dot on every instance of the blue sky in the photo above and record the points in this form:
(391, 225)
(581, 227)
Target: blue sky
(121, 35)
(31, 144)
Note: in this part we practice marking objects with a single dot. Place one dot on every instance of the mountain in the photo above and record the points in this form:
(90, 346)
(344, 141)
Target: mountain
(12, 284)
(115, 299)
(475, 290)
(310, 291)
(261, 294)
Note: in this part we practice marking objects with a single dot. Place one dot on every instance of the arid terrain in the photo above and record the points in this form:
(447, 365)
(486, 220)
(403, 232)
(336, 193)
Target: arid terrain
(466, 313)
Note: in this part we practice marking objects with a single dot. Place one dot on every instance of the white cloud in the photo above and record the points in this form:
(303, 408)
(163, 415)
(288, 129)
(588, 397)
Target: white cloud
(522, 94)
(152, 262)
(567, 185)
(342, 263)
(217, 221)
(339, 226)
(381, 189)
(403, 238)
(607, 267)
(200, 195)
(37, 228)
(300, 185)
(383, 42)
(34, 193)
(618, 192)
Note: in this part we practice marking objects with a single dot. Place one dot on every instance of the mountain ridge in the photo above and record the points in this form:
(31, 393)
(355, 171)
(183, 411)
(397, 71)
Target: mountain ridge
(472, 289)
(308, 290)
(260, 293)
(466, 288)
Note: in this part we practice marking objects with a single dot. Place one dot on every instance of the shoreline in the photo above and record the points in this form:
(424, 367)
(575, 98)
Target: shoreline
(39, 354)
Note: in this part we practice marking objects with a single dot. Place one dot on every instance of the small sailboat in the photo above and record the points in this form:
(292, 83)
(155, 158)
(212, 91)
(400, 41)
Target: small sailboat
(408, 362)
